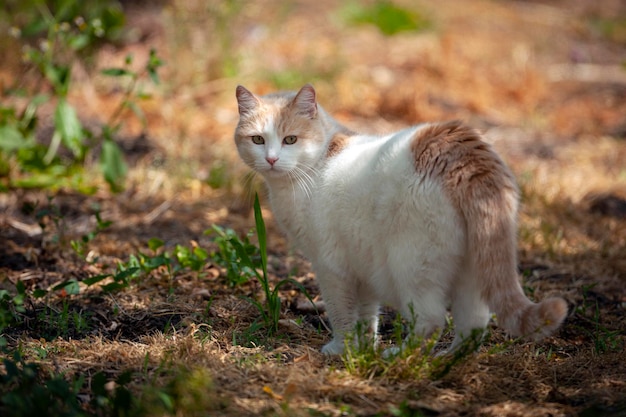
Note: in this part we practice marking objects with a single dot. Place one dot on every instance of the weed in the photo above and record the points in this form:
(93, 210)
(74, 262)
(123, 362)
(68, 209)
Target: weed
(26, 390)
(190, 392)
(81, 246)
(270, 310)
(412, 356)
(389, 18)
(24, 395)
(66, 37)
(249, 337)
(229, 257)
(51, 213)
(183, 258)
(604, 339)
(219, 175)
(406, 410)
(11, 306)
(65, 322)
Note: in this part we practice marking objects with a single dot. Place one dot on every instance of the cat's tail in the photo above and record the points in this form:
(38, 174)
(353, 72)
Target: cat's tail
(487, 195)
(491, 232)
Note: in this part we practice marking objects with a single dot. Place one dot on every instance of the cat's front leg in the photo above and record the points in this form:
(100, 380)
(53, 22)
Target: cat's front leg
(367, 326)
(341, 307)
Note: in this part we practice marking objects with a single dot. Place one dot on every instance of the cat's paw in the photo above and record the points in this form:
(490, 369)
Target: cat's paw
(334, 347)
(390, 352)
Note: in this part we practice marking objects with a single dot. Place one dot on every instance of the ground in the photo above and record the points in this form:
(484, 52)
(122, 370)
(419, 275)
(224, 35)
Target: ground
(545, 82)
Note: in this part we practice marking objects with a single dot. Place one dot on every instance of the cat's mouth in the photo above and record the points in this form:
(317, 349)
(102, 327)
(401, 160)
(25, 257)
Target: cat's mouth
(275, 171)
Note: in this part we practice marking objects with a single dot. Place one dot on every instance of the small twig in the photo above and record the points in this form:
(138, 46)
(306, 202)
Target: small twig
(590, 73)
(157, 212)
(31, 230)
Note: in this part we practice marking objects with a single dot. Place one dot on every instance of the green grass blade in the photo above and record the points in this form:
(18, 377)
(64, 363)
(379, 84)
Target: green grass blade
(261, 233)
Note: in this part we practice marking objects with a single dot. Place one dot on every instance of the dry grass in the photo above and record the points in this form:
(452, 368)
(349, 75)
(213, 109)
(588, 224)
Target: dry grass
(510, 68)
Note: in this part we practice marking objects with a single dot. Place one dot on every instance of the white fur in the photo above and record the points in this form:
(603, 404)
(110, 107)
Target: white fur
(376, 233)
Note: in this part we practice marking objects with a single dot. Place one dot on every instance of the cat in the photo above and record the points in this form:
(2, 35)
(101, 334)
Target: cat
(421, 220)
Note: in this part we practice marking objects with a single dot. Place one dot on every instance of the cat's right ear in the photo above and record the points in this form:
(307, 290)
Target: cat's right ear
(305, 101)
(246, 100)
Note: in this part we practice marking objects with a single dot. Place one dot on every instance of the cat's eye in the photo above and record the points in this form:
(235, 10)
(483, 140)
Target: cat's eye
(290, 140)
(258, 140)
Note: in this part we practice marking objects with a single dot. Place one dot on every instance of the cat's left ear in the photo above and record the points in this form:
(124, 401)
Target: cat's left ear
(246, 100)
(305, 101)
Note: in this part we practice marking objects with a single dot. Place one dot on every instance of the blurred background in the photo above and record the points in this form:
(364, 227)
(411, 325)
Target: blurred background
(139, 95)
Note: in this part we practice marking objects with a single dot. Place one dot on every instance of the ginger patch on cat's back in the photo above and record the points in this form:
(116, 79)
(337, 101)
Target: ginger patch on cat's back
(337, 143)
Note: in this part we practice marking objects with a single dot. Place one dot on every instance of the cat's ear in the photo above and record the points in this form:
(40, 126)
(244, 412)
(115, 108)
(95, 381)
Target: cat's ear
(246, 100)
(305, 101)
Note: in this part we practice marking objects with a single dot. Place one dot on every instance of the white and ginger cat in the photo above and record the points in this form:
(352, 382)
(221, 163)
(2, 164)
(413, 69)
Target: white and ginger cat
(421, 220)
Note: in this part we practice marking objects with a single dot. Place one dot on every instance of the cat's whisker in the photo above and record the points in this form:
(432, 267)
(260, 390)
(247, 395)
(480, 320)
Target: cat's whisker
(304, 181)
(246, 197)
(291, 177)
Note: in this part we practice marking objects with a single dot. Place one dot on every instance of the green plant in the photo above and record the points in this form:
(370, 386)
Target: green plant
(189, 392)
(65, 321)
(229, 254)
(410, 356)
(25, 394)
(406, 410)
(26, 390)
(270, 309)
(604, 339)
(389, 18)
(194, 258)
(63, 36)
(11, 306)
(81, 246)
(182, 258)
(51, 213)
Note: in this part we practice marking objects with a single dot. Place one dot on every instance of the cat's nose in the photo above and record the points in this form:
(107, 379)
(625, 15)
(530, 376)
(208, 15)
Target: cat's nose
(271, 160)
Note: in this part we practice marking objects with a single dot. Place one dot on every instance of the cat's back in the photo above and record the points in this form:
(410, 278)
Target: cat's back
(450, 154)
(372, 182)
(363, 158)
(422, 172)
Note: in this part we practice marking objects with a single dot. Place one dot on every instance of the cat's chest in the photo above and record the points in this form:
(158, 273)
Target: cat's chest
(293, 210)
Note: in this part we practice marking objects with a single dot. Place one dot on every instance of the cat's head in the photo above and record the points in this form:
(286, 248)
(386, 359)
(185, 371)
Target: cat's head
(279, 133)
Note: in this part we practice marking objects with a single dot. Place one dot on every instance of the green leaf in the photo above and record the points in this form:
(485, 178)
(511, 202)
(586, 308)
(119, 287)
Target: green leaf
(38, 293)
(150, 264)
(123, 275)
(113, 165)
(71, 287)
(166, 400)
(388, 17)
(78, 42)
(116, 72)
(200, 253)
(59, 76)
(153, 64)
(155, 243)
(261, 233)
(11, 139)
(21, 288)
(182, 254)
(114, 286)
(95, 279)
(69, 127)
